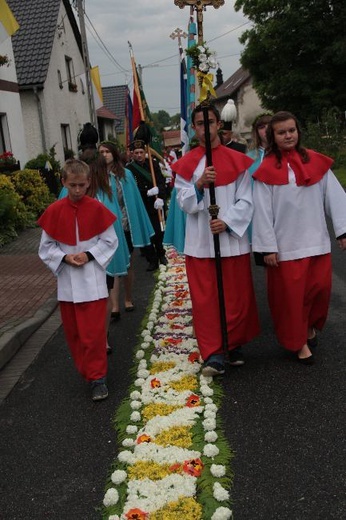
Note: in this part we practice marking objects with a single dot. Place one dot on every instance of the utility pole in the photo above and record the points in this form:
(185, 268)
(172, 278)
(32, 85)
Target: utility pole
(80, 8)
(140, 70)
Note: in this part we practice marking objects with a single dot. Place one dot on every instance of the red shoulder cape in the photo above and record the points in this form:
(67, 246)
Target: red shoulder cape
(60, 218)
(306, 174)
(228, 164)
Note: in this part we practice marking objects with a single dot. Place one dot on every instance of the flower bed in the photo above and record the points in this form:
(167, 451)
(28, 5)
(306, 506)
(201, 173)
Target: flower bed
(174, 462)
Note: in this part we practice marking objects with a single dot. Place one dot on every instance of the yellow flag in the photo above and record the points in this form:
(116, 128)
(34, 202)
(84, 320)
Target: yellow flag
(8, 23)
(97, 89)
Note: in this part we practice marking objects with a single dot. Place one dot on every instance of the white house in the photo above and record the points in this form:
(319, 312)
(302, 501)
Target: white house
(12, 137)
(50, 73)
(239, 88)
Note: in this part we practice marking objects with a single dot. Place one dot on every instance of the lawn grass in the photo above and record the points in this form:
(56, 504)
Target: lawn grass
(341, 175)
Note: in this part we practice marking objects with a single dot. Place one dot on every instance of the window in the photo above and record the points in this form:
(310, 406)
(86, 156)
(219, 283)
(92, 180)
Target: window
(4, 134)
(82, 86)
(66, 140)
(72, 86)
(60, 80)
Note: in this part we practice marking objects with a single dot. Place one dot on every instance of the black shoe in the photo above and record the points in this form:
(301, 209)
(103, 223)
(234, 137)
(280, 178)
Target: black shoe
(109, 349)
(308, 361)
(236, 357)
(152, 266)
(115, 316)
(99, 390)
(312, 342)
(163, 260)
(213, 368)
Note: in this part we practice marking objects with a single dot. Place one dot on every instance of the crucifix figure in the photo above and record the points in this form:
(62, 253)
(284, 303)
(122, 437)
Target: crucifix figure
(199, 6)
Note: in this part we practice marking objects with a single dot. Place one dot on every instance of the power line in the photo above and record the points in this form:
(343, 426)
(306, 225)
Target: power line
(103, 46)
(225, 34)
(123, 70)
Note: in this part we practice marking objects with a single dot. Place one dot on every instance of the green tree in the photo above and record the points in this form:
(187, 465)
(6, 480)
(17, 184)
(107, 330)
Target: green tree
(296, 54)
(175, 121)
(161, 119)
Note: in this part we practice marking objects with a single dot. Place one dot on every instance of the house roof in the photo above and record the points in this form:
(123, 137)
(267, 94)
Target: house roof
(33, 42)
(171, 138)
(105, 113)
(233, 83)
(114, 98)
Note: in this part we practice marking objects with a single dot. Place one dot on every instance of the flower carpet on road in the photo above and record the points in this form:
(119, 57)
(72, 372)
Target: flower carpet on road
(173, 461)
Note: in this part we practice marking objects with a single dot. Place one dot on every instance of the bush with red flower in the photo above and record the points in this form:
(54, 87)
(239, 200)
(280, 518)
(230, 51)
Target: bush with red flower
(7, 158)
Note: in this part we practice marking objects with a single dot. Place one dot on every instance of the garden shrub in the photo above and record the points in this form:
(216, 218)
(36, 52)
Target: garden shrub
(32, 190)
(14, 215)
(49, 169)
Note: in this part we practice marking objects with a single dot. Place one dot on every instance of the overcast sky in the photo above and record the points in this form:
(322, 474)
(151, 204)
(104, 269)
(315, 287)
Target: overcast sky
(148, 24)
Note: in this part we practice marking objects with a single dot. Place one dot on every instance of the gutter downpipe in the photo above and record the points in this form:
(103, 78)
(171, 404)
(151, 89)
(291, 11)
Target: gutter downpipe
(40, 118)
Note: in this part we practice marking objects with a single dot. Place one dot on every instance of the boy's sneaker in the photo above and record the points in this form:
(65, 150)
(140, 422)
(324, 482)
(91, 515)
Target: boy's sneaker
(236, 357)
(213, 368)
(99, 390)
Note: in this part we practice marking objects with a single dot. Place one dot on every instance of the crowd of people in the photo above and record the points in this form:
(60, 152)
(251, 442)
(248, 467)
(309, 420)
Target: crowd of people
(272, 200)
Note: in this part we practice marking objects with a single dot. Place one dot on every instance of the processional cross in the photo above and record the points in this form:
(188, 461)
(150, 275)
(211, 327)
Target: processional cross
(199, 6)
(178, 33)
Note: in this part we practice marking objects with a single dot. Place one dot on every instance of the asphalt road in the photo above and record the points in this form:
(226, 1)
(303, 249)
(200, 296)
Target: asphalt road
(286, 423)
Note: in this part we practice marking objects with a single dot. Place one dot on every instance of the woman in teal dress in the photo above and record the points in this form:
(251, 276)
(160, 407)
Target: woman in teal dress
(174, 234)
(132, 215)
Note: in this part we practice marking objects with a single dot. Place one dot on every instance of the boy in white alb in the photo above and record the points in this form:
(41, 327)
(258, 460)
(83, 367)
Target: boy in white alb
(78, 241)
(234, 198)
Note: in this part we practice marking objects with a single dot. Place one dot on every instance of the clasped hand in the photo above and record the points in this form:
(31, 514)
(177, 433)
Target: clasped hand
(272, 260)
(77, 260)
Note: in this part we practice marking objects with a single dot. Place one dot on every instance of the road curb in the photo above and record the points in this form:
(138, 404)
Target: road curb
(13, 338)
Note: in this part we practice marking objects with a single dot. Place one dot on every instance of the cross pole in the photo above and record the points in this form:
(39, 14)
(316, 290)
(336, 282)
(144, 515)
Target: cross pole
(199, 6)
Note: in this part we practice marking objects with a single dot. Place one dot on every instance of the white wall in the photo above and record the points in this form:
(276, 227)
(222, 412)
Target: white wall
(59, 106)
(248, 109)
(11, 106)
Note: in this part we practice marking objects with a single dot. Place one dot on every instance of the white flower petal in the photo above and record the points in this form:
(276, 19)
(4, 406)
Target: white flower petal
(220, 493)
(111, 497)
(218, 470)
(211, 436)
(118, 476)
(210, 450)
(131, 429)
(135, 416)
(222, 513)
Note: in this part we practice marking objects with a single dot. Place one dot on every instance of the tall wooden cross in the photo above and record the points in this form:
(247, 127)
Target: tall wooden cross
(199, 6)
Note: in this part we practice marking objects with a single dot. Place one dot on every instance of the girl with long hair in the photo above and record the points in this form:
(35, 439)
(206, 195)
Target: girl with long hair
(294, 191)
